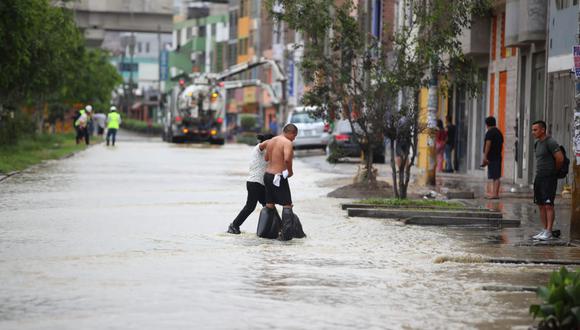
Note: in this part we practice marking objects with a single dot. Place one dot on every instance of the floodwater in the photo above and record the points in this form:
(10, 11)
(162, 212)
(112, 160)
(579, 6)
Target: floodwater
(133, 237)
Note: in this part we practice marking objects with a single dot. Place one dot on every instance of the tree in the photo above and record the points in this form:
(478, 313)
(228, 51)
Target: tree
(361, 78)
(44, 63)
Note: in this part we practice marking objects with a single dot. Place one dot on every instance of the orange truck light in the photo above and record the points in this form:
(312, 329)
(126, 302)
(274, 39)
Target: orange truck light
(213, 132)
(185, 130)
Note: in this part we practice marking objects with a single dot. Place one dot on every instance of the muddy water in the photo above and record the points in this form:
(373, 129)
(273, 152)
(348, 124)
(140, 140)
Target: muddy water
(133, 238)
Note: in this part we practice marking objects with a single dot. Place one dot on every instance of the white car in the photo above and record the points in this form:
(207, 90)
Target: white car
(312, 131)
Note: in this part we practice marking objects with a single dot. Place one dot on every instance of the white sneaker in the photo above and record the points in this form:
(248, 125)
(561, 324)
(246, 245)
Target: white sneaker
(546, 236)
(538, 235)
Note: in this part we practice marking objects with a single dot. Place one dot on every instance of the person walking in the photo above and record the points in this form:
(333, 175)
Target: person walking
(449, 145)
(113, 123)
(82, 124)
(549, 160)
(254, 184)
(492, 158)
(440, 140)
(279, 155)
(100, 120)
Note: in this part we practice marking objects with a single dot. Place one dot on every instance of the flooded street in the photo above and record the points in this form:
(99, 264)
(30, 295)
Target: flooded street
(133, 237)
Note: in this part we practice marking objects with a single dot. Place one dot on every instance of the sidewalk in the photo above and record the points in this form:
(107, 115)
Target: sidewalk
(516, 202)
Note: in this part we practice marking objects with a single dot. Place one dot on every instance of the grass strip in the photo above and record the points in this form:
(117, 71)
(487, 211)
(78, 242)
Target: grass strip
(411, 203)
(31, 150)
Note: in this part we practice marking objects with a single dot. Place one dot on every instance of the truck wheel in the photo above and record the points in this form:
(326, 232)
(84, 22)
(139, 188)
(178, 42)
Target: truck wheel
(220, 142)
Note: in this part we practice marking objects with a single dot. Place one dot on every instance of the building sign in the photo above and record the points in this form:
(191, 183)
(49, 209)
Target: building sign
(290, 78)
(577, 61)
(577, 136)
(164, 65)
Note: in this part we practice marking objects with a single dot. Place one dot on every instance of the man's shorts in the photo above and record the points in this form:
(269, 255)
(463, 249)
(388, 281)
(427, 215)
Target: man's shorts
(545, 190)
(277, 195)
(494, 169)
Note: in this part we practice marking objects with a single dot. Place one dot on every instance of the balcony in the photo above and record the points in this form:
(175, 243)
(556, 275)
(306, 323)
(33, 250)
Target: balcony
(475, 41)
(525, 22)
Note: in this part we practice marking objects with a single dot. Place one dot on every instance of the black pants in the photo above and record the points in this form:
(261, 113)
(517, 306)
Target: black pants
(82, 132)
(256, 193)
(111, 133)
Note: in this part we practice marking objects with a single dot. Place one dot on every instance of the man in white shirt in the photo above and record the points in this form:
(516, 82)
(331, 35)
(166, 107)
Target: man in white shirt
(254, 183)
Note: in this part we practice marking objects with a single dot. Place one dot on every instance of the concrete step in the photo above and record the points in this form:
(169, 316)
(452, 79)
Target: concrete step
(345, 206)
(407, 213)
(459, 221)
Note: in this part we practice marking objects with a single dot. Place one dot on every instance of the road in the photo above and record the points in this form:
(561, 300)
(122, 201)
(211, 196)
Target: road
(133, 237)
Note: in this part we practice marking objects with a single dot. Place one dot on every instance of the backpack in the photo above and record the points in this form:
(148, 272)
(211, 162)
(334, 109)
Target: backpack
(563, 171)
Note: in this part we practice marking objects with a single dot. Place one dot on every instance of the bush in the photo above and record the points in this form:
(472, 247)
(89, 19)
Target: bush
(142, 127)
(248, 138)
(561, 301)
(335, 153)
(14, 124)
(248, 123)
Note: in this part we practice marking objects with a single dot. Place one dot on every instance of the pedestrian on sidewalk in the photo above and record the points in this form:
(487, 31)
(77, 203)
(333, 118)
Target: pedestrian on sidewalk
(440, 140)
(492, 158)
(449, 144)
(100, 120)
(113, 123)
(254, 184)
(82, 124)
(279, 155)
(549, 160)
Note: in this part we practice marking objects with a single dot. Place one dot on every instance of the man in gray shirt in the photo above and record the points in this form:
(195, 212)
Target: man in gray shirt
(549, 159)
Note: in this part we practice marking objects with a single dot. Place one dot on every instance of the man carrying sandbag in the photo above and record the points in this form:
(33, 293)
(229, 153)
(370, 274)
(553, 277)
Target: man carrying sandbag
(279, 155)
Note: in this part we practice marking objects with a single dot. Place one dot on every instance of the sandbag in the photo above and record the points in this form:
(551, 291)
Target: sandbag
(297, 228)
(269, 223)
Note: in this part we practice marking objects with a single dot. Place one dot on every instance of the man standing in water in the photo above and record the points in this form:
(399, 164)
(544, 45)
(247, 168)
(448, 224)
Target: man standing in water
(279, 154)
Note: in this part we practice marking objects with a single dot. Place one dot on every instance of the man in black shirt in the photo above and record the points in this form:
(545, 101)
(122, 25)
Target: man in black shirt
(449, 145)
(492, 158)
(549, 160)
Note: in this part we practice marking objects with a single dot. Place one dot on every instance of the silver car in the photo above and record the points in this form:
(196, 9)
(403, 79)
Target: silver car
(312, 131)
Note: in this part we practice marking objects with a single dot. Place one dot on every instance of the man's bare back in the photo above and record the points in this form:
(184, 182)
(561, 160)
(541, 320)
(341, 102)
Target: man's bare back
(279, 154)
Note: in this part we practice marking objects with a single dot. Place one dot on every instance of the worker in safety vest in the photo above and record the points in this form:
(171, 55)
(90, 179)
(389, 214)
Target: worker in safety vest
(113, 122)
(82, 124)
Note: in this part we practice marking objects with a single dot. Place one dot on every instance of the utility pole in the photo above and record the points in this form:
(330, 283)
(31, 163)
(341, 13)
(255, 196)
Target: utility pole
(429, 177)
(575, 212)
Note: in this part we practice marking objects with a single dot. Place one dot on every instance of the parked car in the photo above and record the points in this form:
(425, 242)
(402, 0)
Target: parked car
(343, 143)
(312, 131)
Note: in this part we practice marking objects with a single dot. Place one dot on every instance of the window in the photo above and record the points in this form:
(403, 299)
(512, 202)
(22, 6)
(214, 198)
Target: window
(138, 47)
(502, 37)
(243, 8)
(493, 38)
(127, 67)
(243, 46)
(147, 47)
(563, 4)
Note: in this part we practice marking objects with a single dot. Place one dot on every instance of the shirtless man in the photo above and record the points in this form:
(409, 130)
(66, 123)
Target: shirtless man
(279, 154)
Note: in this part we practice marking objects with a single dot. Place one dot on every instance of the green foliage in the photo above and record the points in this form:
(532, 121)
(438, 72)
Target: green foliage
(335, 153)
(33, 149)
(43, 60)
(560, 308)
(248, 138)
(141, 126)
(359, 77)
(12, 124)
(248, 123)
(411, 203)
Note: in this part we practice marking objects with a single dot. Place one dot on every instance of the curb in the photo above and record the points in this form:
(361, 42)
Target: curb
(400, 214)
(460, 221)
(6, 176)
(346, 206)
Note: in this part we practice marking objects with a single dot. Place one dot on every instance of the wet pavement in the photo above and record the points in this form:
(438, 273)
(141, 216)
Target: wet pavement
(133, 237)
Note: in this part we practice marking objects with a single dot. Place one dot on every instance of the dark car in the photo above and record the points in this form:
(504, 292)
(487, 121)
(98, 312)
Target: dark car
(343, 143)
